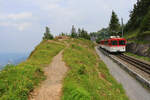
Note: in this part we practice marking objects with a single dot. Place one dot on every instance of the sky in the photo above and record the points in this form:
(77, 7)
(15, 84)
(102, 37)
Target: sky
(23, 22)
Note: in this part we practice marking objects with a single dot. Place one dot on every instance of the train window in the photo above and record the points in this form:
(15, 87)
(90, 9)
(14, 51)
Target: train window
(114, 42)
(122, 42)
(106, 42)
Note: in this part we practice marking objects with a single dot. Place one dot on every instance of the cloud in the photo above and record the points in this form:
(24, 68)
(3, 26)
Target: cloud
(82, 13)
(91, 14)
(24, 26)
(19, 26)
(19, 21)
(16, 16)
(29, 17)
(20, 16)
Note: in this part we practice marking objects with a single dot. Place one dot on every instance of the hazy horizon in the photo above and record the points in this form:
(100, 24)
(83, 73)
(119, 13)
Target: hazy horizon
(12, 58)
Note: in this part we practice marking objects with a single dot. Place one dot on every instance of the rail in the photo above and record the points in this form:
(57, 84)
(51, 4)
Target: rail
(137, 63)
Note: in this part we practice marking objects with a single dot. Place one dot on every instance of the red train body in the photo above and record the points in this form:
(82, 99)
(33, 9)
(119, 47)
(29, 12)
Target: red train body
(114, 44)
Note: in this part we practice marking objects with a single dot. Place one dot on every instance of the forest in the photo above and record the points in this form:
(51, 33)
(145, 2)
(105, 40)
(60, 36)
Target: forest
(137, 27)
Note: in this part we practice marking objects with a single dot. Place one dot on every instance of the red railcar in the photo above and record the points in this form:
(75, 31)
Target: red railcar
(114, 44)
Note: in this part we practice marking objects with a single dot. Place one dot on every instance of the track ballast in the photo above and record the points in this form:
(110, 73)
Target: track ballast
(137, 63)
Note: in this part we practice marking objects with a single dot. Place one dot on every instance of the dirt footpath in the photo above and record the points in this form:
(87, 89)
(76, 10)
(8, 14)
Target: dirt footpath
(51, 88)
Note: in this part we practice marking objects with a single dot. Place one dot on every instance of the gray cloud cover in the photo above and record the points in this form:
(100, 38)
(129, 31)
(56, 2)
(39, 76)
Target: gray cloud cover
(22, 22)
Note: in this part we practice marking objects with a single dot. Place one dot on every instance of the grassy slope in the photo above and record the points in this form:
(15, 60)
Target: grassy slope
(17, 81)
(132, 34)
(136, 37)
(88, 78)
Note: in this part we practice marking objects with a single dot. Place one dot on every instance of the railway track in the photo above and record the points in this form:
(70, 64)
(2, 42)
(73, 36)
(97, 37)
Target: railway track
(142, 77)
(137, 63)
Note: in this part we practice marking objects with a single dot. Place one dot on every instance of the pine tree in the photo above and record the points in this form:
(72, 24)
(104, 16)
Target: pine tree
(47, 34)
(79, 32)
(73, 32)
(114, 24)
(137, 15)
(62, 34)
(145, 25)
(84, 34)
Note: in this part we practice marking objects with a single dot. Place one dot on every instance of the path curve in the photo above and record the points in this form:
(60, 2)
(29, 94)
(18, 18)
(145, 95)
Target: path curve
(51, 88)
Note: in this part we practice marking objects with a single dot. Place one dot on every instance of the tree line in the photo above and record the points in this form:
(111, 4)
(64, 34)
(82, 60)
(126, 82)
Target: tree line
(80, 33)
(139, 22)
(139, 18)
(114, 28)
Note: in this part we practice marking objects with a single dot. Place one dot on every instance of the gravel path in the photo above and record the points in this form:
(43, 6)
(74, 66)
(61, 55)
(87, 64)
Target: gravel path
(134, 89)
(51, 88)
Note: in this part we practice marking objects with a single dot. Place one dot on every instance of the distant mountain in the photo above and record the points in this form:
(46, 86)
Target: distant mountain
(12, 58)
(1, 67)
(17, 60)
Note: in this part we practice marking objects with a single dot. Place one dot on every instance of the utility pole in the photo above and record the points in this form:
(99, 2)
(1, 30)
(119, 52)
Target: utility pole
(122, 26)
(103, 35)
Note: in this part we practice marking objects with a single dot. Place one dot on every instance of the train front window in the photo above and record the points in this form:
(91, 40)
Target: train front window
(114, 42)
(122, 42)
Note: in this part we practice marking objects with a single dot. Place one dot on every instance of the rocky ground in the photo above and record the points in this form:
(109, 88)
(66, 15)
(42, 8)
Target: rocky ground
(139, 49)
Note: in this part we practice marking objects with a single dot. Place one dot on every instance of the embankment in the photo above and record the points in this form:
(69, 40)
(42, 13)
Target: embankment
(16, 82)
(88, 77)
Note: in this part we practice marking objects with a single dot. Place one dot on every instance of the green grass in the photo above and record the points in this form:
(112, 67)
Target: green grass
(146, 33)
(138, 57)
(88, 77)
(131, 34)
(17, 81)
(137, 37)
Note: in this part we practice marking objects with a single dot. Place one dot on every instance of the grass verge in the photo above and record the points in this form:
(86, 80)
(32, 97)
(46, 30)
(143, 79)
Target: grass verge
(138, 57)
(17, 81)
(88, 77)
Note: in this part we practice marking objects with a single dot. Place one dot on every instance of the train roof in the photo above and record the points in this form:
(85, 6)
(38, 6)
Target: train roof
(114, 38)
